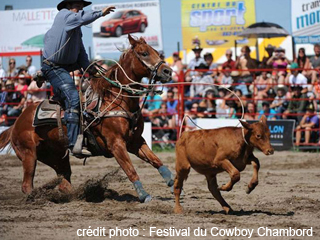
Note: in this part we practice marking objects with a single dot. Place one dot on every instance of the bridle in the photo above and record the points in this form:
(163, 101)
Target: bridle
(153, 69)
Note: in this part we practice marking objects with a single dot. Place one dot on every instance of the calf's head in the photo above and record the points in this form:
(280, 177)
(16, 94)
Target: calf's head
(259, 135)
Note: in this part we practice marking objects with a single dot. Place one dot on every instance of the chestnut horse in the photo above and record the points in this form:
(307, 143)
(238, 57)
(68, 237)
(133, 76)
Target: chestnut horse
(114, 135)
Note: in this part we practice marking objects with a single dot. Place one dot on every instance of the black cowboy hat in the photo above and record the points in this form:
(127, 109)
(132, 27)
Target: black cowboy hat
(197, 48)
(63, 4)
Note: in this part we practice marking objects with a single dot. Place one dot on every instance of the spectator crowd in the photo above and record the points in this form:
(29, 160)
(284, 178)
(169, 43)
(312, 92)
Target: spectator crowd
(277, 87)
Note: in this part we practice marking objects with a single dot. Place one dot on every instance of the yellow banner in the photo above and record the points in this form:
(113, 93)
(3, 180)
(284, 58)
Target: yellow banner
(216, 23)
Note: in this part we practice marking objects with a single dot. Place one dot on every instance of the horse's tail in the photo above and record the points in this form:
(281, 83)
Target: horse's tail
(5, 138)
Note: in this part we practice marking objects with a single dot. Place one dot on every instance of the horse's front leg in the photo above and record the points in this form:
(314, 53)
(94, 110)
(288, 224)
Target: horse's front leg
(254, 180)
(142, 150)
(119, 151)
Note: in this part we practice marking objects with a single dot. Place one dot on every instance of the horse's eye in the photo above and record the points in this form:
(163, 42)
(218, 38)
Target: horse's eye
(258, 136)
(145, 54)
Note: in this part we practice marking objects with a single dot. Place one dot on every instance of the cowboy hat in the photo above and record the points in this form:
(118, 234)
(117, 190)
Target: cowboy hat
(197, 48)
(64, 3)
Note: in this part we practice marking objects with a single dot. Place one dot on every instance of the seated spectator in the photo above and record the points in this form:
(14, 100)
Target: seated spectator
(270, 50)
(297, 105)
(261, 86)
(21, 85)
(162, 120)
(245, 63)
(303, 62)
(36, 94)
(208, 104)
(225, 79)
(280, 62)
(211, 65)
(172, 105)
(230, 62)
(12, 71)
(309, 122)
(267, 111)
(237, 103)
(152, 106)
(176, 66)
(193, 114)
(223, 109)
(14, 102)
(315, 63)
(280, 104)
(197, 89)
(297, 78)
(101, 62)
(31, 70)
(250, 111)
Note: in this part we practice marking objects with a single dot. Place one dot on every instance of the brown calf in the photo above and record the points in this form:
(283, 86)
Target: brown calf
(212, 151)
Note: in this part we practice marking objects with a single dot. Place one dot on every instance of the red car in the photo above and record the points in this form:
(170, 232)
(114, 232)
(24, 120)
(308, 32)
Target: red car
(122, 22)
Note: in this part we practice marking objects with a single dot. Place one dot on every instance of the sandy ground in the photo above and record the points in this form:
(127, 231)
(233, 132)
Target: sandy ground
(287, 196)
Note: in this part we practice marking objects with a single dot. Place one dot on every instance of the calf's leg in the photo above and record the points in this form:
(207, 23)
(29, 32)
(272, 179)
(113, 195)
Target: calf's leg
(233, 172)
(254, 180)
(213, 187)
(182, 172)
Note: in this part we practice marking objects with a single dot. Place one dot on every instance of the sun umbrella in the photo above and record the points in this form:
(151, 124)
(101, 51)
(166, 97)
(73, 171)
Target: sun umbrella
(36, 41)
(264, 30)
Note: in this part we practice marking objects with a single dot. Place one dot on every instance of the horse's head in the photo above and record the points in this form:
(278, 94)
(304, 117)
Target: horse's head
(148, 62)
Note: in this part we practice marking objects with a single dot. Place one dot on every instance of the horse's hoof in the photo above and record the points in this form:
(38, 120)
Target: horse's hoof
(147, 199)
(248, 190)
(178, 210)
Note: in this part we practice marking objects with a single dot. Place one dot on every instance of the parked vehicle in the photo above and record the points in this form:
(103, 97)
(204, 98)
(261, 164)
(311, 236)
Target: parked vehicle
(123, 22)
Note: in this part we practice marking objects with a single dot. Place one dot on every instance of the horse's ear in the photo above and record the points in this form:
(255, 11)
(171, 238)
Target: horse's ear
(132, 41)
(142, 40)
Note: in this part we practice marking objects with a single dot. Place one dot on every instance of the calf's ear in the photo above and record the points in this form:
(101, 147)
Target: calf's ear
(245, 124)
(263, 119)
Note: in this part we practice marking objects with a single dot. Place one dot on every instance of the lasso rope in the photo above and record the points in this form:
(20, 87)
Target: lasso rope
(121, 86)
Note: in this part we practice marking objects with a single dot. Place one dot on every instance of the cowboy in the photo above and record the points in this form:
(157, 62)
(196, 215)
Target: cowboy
(63, 53)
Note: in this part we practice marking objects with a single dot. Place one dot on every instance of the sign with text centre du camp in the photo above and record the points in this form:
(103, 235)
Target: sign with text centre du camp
(110, 33)
(305, 19)
(216, 23)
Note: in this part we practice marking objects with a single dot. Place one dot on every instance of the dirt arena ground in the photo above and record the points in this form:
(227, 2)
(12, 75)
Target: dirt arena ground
(287, 196)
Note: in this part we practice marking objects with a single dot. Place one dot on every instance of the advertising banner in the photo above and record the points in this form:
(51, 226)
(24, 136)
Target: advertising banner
(141, 19)
(281, 133)
(24, 30)
(305, 21)
(216, 23)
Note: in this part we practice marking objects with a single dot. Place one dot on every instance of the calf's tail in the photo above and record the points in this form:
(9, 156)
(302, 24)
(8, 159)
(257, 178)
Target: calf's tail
(5, 138)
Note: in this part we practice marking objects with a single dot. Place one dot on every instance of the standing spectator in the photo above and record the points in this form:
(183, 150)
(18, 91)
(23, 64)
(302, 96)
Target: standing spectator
(2, 72)
(177, 67)
(31, 69)
(267, 111)
(315, 62)
(279, 61)
(297, 78)
(270, 50)
(279, 104)
(303, 61)
(245, 63)
(250, 111)
(309, 122)
(229, 61)
(12, 71)
(195, 62)
(297, 105)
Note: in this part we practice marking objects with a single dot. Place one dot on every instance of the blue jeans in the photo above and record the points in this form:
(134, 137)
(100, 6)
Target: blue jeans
(65, 89)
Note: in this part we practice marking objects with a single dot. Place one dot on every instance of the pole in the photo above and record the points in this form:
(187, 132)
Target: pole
(235, 49)
(257, 50)
(293, 48)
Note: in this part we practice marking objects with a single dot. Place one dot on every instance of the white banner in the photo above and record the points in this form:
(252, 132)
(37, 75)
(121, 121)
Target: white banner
(137, 18)
(23, 30)
(305, 21)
